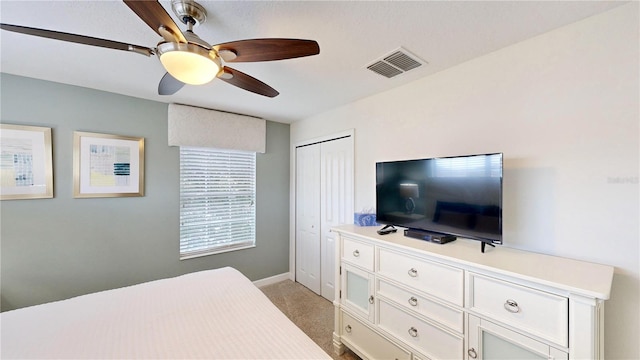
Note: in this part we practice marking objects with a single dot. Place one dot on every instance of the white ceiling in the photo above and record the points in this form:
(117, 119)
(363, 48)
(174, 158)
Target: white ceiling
(351, 34)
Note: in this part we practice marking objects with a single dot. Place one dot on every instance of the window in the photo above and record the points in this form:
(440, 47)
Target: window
(217, 201)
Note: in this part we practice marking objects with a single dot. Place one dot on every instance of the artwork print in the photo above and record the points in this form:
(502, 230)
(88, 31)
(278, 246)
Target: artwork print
(26, 170)
(108, 165)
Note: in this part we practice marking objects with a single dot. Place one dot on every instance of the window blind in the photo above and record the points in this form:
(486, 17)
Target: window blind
(479, 165)
(217, 200)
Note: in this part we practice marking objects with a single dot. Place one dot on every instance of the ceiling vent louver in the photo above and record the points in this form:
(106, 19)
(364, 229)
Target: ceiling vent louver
(384, 69)
(395, 63)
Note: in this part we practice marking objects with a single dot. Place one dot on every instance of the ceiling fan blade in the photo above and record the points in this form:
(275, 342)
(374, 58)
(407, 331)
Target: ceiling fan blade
(79, 39)
(268, 49)
(152, 13)
(244, 81)
(169, 85)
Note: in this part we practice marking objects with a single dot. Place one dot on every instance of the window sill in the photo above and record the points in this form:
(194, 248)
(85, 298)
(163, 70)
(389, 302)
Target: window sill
(214, 252)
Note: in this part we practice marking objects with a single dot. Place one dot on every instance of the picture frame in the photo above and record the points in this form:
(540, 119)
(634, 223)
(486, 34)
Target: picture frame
(106, 165)
(26, 162)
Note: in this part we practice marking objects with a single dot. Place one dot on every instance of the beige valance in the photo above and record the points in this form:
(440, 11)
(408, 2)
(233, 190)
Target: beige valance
(198, 127)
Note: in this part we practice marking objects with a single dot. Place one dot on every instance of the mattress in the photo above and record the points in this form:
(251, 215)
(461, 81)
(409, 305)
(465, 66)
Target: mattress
(213, 314)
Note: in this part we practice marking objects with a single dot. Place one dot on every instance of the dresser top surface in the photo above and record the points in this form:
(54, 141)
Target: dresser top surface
(576, 276)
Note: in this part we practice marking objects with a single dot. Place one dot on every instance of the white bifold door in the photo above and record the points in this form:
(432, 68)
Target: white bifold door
(324, 198)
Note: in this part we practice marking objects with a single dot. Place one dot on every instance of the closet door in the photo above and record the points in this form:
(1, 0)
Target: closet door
(308, 217)
(336, 204)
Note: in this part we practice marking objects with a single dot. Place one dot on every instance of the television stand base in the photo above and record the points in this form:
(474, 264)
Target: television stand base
(483, 245)
(436, 238)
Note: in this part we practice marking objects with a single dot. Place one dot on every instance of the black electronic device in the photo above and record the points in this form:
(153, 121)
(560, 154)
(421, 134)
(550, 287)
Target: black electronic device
(387, 229)
(429, 236)
(459, 196)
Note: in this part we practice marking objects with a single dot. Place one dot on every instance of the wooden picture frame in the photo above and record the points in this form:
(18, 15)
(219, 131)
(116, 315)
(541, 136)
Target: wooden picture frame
(107, 165)
(26, 165)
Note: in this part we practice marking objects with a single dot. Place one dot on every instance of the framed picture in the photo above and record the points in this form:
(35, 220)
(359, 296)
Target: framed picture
(107, 165)
(26, 166)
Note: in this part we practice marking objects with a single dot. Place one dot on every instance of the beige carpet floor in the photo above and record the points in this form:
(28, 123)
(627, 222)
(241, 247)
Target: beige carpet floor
(310, 312)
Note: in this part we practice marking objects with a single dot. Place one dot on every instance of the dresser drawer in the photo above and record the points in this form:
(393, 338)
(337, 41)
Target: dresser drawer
(427, 338)
(357, 253)
(435, 279)
(367, 342)
(445, 315)
(537, 312)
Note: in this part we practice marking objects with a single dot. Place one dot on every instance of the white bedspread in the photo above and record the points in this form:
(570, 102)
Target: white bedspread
(214, 314)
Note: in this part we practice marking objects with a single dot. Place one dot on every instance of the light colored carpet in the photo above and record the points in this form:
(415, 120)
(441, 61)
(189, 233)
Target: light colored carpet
(310, 312)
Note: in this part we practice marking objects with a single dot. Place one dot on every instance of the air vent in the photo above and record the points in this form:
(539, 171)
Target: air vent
(397, 62)
(384, 69)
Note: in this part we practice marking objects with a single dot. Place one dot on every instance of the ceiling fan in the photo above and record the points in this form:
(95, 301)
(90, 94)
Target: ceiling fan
(187, 58)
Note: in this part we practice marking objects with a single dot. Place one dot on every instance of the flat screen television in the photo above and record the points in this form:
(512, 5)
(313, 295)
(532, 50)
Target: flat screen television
(459, 196)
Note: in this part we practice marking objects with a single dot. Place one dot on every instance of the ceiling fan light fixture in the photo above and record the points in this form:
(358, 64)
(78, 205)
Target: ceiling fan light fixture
(188, 63)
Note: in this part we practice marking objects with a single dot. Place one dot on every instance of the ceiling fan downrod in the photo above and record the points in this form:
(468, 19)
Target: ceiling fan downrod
(189, 12)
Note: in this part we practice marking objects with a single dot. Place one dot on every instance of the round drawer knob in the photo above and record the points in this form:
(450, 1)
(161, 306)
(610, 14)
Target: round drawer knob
(413, 332)
(511, 306)
(356, 253)
(412, 272)
(413, 301)
(347, 328)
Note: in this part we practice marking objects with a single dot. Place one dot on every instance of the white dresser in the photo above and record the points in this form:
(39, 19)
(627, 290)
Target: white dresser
(403, 298)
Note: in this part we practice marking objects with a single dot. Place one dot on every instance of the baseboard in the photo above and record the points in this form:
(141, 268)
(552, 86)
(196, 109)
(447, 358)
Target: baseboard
(272, 280)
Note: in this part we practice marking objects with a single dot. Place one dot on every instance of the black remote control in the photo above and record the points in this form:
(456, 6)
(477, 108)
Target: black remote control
(388, 229)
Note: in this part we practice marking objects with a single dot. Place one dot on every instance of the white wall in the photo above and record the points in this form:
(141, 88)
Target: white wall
(563, 107)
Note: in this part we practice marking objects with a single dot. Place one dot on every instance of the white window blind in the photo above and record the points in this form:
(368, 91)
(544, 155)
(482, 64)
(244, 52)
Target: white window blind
(476, 165)
(217, 201)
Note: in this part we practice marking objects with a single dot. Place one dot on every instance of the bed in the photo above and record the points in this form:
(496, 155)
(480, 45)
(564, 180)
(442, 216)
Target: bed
(213, 314)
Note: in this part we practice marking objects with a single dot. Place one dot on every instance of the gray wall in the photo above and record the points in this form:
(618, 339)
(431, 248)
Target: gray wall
(57, 248)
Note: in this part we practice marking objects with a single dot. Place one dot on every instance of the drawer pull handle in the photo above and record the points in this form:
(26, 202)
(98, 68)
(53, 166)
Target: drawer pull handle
(371, 299)
(472, 353)
(356, 253)
(348, 328)
(413, 301)
(413, 332)
(412, 272)
(511, 306)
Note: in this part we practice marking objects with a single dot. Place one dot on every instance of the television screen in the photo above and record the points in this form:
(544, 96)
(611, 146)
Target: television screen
(459, 195)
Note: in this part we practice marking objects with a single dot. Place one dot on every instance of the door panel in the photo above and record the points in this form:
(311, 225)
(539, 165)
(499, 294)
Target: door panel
(308, 217)
(336, 197)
